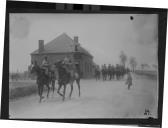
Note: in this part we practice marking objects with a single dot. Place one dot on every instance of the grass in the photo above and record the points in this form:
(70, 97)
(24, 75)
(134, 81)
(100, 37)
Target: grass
(19, 92)
(20, 89)
(149, 74)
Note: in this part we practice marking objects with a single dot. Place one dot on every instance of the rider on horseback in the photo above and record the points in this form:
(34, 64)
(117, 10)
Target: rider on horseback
(69, 66)
(65, 63)
(45, 65)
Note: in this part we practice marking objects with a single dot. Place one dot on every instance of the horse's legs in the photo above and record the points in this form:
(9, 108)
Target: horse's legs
(42, 87)
(78, 83)
(59, 87)
(71, 89)
(128, 87)
(53, 85)
(41, 92)
(48, 90)
(96, 77)
(64, 92)
(110, 76)
(58, 91)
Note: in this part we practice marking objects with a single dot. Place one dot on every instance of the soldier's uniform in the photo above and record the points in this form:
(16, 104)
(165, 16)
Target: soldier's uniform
(129, 80)
(109, 71)
(65, 63)
(45, 66)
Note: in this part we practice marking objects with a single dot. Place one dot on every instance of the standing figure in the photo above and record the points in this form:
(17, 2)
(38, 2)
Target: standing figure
(105, 72)
(129, 80)
(117, 71)
(102, 71)
(97, 72)
(109, 71)
(112, 72)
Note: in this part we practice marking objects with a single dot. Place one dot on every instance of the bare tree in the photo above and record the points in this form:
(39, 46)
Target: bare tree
(142, 66)
(123, 58)
(133, 63)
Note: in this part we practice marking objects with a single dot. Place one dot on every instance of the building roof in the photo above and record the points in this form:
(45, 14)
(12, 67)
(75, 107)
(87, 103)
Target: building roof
(61, 44)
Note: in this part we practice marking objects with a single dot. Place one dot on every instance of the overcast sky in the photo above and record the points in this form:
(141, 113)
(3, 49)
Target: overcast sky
(103, 35)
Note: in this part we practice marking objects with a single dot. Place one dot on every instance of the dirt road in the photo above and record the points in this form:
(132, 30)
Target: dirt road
(99, 99)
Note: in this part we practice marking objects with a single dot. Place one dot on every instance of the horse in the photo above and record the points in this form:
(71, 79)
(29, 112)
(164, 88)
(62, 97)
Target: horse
(65, 77)
(42, 79)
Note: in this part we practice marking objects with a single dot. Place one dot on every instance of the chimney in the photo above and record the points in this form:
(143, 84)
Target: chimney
(76, 43)
(76, 39)
(41, 46)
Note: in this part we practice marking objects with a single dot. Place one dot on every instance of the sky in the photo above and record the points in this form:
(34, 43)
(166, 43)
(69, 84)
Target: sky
(103, 35)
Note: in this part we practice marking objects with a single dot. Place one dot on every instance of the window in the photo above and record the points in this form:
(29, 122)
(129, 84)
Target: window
(78, 7)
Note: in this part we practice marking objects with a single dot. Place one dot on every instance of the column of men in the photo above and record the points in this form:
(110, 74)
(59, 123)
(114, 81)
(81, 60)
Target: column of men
(109, 72)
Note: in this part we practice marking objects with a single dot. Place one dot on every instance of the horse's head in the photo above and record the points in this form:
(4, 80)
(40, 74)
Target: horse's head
(33, 68)
(58, 64)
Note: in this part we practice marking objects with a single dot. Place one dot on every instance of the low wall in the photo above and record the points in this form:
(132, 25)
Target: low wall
(20, 92)
(21, 89)
(151, 74)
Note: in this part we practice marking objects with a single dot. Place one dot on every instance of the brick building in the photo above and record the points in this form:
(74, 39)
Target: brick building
(64, 46)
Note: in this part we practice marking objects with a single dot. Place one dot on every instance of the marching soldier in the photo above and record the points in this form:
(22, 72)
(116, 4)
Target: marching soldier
(109, 71)
(105, 72)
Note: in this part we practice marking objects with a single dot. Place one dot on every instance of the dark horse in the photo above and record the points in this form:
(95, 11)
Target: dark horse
(42, 79)
(66, 77)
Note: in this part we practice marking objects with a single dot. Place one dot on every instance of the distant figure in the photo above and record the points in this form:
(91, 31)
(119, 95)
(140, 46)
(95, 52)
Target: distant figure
(109, 71)
(97, 72)
(104, 71)
(129, 80)
(45, 65)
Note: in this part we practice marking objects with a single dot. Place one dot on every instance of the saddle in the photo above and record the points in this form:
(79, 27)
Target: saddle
(46, 70)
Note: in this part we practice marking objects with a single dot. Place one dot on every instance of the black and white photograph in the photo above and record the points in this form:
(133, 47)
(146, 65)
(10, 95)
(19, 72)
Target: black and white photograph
(83, 66)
